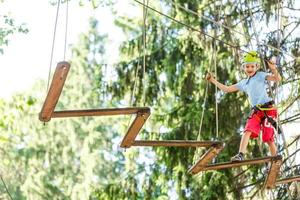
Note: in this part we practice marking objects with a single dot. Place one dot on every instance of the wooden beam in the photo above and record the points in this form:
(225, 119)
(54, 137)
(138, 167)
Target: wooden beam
(134, 129)
(273, 173)
(100, 112)
(239, 163)
(54, 92)
(205, 159)
(288, 180)
(175, 143)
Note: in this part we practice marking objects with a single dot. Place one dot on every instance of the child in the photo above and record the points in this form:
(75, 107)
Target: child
(255, 86)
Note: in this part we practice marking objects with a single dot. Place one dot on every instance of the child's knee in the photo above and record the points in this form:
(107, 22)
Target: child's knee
(248, 133)
(271, 143)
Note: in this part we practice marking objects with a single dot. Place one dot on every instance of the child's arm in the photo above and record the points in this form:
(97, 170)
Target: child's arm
(275, 75)
(225, 88)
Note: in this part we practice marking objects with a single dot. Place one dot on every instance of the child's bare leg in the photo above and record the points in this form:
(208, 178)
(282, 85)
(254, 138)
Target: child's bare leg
(243, 147)
(273, 148)
(244, 141)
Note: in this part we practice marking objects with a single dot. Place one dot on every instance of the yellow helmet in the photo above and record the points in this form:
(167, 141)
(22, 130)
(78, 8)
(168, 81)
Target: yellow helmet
(250, 57)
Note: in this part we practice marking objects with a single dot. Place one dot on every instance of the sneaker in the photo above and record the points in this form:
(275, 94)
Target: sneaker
(238, 157)
(266, 171)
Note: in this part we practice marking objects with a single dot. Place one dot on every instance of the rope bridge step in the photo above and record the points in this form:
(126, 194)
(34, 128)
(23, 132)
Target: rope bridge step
(100, 112)
(206, 158)
(57, 84)
(226, 165)
(54, 92)
(213, 151)
(175, 143)
(135, 128)
(273, 172)
(288, 180)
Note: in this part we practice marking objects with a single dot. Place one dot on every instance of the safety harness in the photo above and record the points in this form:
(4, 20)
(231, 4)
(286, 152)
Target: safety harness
(266, 107)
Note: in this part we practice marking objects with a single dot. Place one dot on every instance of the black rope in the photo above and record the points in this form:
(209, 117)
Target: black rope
(238, 47)
(6, 188)
(190, 27)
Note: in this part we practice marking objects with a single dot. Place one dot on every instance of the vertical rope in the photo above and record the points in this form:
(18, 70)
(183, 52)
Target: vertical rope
(216, 88)
(6, 189)
(135, 83)
(215, 54)
(53, 41)
(138, 63)
(212, 62)
(279, 39)
(66, 28)
(201, 119)
(203, 109)
(145, 9)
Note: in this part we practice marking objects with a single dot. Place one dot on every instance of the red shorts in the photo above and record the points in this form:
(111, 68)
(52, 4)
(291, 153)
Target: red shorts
(255, 124)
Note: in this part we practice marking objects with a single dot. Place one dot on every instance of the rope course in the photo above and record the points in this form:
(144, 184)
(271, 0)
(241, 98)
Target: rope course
(277, 163)
(142, 113)
(214, 146)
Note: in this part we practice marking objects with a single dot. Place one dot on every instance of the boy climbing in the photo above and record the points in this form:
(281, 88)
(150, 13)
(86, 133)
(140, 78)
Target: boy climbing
(263, 113)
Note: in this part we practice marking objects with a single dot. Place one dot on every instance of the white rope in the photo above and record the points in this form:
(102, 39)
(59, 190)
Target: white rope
(279, 39)
(53, 42)
(145, 9)
(66, 28)
(203, 110)
(6, 189)
(216, 75)
(280, 36)
(201, 119)
(138, 64)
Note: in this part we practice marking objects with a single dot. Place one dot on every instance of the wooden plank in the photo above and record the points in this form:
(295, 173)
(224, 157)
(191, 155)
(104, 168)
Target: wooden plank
(100, 112)
(273, 173)
(288, 180)
(205, 159)
(134, 129)
(239, 163)
(175, 143)
(54, 92)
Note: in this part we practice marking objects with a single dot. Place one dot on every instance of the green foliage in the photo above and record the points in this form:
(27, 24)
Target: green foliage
(8, 28)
